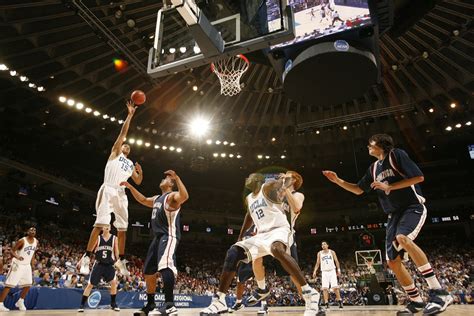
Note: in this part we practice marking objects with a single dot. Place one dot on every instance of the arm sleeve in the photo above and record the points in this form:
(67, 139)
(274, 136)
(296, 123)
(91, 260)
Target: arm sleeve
(406, 165)
(366, 180)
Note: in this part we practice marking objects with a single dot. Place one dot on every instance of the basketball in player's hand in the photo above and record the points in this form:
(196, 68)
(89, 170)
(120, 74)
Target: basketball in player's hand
(138, 97)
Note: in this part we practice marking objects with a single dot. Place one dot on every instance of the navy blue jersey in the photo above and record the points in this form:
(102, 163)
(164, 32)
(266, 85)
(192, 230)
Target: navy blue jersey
(394, 167)
(164, 222)
(105, 250)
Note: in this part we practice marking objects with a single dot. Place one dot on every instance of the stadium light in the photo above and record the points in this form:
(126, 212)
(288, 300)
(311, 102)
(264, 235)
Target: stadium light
(199, 126)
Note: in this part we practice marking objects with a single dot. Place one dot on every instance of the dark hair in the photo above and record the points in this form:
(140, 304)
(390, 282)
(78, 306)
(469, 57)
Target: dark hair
(383, 141)
(325, 242)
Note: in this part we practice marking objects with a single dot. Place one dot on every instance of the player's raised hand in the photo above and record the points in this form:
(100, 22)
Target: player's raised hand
(171, 173)
(331, 175)
(131, 107)
(125, 184)
(288, 182)
(138, 167)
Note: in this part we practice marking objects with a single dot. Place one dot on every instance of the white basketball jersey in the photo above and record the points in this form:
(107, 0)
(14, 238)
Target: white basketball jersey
(118, 170)
(26, 252)
(327, 261)
(266, 215)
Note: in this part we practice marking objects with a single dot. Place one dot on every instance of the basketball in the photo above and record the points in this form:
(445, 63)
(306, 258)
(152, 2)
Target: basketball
(138, 97)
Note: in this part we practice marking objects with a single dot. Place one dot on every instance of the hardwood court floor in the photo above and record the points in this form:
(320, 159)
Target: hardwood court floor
(456, 310)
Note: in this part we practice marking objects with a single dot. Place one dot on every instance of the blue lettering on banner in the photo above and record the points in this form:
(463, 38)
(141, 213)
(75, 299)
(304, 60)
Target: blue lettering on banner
(94, 299)
(341, 45)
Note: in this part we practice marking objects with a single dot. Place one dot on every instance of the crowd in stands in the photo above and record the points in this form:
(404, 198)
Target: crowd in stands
(59, 252)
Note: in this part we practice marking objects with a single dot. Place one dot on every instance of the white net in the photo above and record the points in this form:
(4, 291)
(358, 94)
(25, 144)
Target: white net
(229, 71)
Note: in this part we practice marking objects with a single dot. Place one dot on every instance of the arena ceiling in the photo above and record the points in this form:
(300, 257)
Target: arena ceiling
(427, 64)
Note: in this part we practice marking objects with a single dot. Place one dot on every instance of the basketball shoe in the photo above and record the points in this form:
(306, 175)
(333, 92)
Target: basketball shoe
(236, 307)
(145, 310)
(21, 304)
(411, 308)
(438, 302)
(311, 298)
(165, 310)
(217, 307)
(115, 307)
(121, 265)
(257, 296)
(80, 309)
(3, 308)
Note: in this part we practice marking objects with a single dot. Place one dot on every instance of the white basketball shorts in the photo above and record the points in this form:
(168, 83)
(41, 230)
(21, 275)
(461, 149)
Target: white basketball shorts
(329, 279)
(19, 274)
(260, 245)
(111, 199)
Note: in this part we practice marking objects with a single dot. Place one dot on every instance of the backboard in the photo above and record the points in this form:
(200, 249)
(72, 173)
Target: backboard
(374, 257)
(244, 25)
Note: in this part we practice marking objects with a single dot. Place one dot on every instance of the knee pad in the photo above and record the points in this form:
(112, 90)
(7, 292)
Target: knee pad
(234, 255)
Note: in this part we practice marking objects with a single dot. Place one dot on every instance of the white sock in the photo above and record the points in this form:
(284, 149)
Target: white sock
(427, 271)
(221, 296)
(239, 301)
(20, 300)
(413, 293)
(261, 284)
(305, 288)
(264, 303)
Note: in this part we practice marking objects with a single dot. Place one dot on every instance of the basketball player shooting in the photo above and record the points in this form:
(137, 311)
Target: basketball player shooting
(166, 227)
(112, 198)
(20, 272)
(292, 205)
(395, 178)
(264, 209)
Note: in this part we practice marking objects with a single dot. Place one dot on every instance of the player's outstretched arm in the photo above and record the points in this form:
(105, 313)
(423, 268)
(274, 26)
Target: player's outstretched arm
(137, 175)
(351, 187)
(123, 132)
(146, 201)
(181, 195)
(316, 266)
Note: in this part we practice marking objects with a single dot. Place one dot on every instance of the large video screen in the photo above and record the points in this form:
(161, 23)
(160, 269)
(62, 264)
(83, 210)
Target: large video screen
(319, 18)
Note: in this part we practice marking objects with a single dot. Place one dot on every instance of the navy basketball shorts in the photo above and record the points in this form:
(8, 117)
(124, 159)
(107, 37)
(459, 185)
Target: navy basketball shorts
(244, 272)
(102, 271)
(408, 223)
(161, 254)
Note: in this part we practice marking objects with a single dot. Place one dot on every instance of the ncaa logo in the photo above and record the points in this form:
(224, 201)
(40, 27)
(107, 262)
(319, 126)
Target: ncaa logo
(376, 297)
(94, 299)
(341, 45)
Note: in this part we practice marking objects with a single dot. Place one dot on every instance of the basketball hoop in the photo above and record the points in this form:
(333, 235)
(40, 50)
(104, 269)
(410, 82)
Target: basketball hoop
(229, 71)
